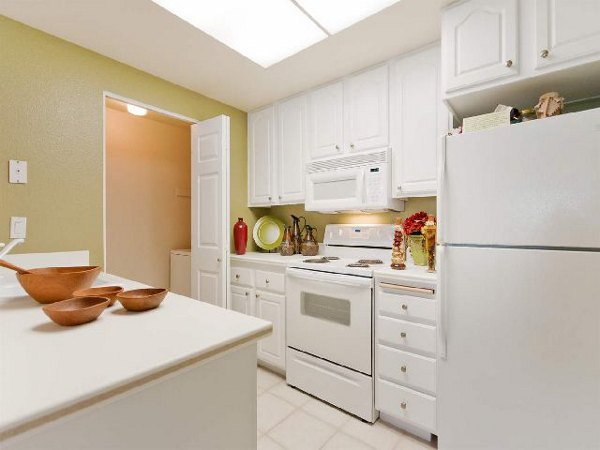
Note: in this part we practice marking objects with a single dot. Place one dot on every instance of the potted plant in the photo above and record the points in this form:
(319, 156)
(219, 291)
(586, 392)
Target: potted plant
(416, 241)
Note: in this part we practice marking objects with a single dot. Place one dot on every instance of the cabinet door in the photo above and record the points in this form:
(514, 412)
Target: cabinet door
(479, 42)
(418, 119)
(271, 307)
(326, 120)
(566, 30)
(241, 300)
(366, 110)
(291, 144)
(261, 146)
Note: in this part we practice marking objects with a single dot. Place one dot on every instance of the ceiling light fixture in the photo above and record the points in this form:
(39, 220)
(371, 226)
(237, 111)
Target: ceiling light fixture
(265, 31)
(136, 110)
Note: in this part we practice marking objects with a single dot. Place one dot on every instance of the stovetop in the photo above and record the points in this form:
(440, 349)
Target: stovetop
(335, 264)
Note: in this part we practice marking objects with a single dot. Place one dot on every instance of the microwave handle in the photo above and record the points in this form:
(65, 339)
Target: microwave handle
(344, 280)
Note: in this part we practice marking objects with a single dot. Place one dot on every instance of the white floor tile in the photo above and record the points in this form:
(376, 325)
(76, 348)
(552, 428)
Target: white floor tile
(378, 435)
(289, 394)
(301, 431)
(266, 443)
(266, 379)
(270, 411)
(325, 412)
(341, 441)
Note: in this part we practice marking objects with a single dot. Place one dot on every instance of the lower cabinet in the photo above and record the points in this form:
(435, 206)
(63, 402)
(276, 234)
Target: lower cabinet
(259, 290)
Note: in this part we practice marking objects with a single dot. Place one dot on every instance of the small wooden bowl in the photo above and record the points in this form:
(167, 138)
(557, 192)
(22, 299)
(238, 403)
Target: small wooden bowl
(142, 299)
(110, 292)
(53, 284)
(76, 311)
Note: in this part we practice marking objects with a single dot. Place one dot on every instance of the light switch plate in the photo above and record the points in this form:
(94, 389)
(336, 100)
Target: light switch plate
(18, 227)
(17, 171)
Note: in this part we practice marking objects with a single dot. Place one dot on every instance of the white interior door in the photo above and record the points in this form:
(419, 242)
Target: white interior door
(210, 210)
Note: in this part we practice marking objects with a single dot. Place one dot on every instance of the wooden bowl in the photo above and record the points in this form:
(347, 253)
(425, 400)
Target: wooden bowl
(53, 284)
(110, 292)
(76, 311)
(142, 299)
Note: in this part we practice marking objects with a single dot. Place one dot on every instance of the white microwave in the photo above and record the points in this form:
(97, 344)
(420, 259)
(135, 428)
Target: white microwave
(359, 182)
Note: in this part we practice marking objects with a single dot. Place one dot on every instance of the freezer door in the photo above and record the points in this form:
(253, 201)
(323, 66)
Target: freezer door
(531, 184)
(522, 368)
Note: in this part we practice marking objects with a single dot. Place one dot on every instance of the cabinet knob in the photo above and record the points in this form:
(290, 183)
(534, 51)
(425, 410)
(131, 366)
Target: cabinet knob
(237, 276)
(247, 294)
(218, 260)
(508, 63)
(337, 147)
(405, 307)
(403, 405)
(257, 295)
(403, 369)
(403, 334)
(544, 53)
(269, 198)
(351, 145)
(267, 281)
(279, 196)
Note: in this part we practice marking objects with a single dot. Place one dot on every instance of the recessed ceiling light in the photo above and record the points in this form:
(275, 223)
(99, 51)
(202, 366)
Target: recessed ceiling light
(335, 15)
(136, 110)
(265, 31)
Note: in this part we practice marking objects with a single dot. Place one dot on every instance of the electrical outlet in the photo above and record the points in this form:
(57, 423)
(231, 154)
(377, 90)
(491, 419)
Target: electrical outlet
(18, 227)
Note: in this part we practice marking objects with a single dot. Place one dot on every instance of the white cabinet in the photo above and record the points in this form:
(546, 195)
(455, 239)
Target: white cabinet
(418, 119)
(261, 151)
(479, 42)
(366, 110)
(566, 30)
(241, 300)
(271, 307)
(326, 119)
(291, 144)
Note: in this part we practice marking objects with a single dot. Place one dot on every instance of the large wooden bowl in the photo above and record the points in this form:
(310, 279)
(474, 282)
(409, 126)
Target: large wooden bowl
(76, 311)
(53, 284)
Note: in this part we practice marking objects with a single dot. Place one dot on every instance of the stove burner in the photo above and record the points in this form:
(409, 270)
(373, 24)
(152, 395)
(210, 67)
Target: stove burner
(370, 261)
(331, 258)
(358, 264)
(316, 260)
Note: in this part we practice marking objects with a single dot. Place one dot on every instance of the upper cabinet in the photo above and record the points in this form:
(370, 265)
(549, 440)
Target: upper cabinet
(479, 42)
(566, 30)
(418, 119)
(366, 110)
(261, 155)
(291, 144)
(326, 120)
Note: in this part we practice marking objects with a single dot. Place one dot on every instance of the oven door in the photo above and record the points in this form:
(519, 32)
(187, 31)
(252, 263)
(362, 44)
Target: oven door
(330, 316)
(335, 190)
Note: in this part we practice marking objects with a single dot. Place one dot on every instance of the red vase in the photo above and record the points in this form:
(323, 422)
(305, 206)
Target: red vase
(240, 236)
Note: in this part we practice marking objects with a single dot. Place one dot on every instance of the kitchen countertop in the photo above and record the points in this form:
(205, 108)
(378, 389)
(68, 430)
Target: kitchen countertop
(267, 258)
(47, 371)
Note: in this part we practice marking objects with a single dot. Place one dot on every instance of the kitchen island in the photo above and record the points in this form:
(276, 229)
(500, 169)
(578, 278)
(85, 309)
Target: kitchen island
(180, 376)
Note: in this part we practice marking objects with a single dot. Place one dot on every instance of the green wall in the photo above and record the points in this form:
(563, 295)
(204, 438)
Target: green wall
(51, 92)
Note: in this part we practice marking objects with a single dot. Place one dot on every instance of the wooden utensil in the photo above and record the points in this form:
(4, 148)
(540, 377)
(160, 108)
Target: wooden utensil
(10, 266)
(52, 284)
(142, 299)
(76, 311)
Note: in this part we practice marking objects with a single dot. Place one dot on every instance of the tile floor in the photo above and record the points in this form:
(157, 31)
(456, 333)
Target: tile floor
(289, 419)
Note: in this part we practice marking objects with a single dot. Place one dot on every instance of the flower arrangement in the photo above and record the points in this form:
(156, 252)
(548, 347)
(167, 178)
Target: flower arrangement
(414, 223)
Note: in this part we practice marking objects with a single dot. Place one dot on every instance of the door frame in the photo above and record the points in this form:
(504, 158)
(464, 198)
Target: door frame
(109, 94)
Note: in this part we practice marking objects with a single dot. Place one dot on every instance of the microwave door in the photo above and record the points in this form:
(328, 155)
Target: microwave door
(336, 190)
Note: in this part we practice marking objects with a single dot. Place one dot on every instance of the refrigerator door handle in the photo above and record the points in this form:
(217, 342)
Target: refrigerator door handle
(441, 200)
(442, 301)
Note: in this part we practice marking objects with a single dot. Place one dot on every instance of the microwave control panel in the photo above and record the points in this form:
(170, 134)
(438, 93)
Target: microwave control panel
(376, 182)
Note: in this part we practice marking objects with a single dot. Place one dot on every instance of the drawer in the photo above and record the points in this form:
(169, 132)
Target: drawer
(406, 404)
(408, 335)
(242, 276)
(406, 302)
(271, 281)
(408, 369)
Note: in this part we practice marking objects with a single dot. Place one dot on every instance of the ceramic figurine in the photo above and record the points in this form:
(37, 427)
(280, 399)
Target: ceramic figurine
(429, 231)
(398, 247)
(550, 104)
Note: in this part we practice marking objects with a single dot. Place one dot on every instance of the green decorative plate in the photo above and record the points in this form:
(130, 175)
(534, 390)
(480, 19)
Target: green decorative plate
(268, 232)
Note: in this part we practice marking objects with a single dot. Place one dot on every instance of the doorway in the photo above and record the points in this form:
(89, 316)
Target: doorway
(149, 200)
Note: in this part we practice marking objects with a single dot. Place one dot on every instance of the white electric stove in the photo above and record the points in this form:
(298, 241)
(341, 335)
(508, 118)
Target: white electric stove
(330, 317)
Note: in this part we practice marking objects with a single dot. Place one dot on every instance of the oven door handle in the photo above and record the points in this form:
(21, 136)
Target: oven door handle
(344, 280)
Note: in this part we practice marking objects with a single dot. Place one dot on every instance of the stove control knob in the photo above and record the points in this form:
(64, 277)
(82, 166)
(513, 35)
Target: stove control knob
(404, 307)
(403, 334)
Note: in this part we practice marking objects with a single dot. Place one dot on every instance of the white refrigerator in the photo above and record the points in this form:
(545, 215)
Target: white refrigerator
(519, 286)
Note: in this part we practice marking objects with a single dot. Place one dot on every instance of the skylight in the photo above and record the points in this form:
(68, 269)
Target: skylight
(268, 31)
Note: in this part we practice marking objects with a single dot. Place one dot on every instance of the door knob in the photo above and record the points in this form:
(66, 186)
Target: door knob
(508, 63)
(403, 334)
(544, 53)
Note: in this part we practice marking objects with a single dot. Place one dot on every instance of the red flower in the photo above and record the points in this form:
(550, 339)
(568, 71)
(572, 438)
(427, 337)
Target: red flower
(414, 223)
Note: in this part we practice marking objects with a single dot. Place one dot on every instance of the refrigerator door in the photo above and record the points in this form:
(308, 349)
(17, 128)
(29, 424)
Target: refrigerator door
(531, 184)
(522, 368)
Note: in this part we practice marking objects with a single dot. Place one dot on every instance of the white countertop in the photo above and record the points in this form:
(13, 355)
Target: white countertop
(267, 258)
(46, 368)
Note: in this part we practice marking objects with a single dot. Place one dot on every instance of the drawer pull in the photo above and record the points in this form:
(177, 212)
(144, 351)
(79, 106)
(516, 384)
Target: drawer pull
(403, 405)
(403, 334)
(404, 306)
(403, 369)
(246, 293)
(398, 287)
(267, 281)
